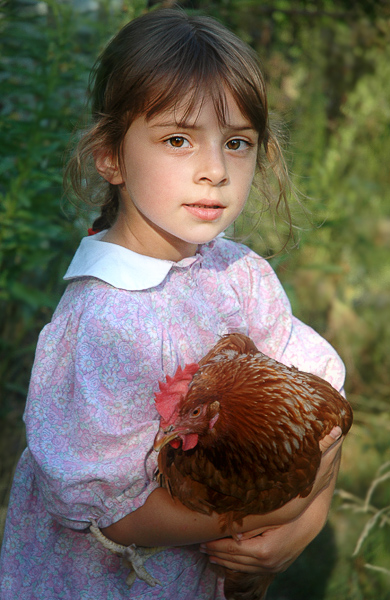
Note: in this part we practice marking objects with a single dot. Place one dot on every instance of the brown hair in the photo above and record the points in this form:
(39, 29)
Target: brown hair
(150, 66)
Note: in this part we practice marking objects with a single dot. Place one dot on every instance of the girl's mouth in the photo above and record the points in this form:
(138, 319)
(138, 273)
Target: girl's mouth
(205, 205)
(205, 212)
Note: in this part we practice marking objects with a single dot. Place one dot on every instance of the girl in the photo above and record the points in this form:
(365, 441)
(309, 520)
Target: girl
(180, 125)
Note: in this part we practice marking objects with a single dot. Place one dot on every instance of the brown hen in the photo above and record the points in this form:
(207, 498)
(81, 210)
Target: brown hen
(239, 435)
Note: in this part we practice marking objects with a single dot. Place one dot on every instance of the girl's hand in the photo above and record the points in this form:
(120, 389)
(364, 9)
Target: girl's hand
(270, 552)
(273, 549)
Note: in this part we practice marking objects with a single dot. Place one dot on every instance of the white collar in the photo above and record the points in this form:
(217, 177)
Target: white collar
(119, 266)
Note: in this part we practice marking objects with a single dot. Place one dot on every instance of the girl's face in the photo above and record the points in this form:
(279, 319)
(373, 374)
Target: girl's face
(181, 185)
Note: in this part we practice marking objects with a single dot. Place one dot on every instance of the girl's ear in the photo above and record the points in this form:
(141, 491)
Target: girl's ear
(108, 168)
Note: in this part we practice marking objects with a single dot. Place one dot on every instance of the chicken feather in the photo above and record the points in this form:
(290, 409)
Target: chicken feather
(242, 437)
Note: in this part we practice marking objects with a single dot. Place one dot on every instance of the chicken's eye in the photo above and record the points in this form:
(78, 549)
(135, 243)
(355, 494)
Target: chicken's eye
(196, 412)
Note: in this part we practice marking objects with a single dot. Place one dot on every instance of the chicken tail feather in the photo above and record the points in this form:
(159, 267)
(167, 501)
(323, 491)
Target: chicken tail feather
(245, 586)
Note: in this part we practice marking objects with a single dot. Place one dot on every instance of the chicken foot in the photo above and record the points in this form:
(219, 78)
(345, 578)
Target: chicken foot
(133, 557)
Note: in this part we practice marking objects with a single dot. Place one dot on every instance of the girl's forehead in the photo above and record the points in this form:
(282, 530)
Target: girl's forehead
(190, 109)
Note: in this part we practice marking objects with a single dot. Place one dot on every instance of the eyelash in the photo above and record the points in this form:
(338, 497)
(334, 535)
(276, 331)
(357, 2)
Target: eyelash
(245, 142)
(183, 139)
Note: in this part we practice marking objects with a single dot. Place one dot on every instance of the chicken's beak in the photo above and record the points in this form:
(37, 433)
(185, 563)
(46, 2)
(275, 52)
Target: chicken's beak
(163, 437)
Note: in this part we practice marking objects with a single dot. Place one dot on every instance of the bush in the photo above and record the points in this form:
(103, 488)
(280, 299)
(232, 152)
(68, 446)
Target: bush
(328, 66)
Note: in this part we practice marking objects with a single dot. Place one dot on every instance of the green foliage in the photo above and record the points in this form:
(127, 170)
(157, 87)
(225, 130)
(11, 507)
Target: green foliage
(328, 66)
(352, 202)
(329, 77)
(47, 52)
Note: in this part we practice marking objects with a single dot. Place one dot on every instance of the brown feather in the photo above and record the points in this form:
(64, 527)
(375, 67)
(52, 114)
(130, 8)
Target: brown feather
(263, 450)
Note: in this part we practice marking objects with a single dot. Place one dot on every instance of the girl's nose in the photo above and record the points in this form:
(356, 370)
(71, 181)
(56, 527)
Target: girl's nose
(211, 167)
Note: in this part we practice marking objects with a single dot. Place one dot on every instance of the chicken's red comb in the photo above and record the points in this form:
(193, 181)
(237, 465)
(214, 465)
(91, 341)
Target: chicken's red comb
(171, 392)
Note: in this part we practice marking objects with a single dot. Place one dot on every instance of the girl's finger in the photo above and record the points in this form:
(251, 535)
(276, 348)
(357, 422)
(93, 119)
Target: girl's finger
(238, 562)
(226, 546)
(334, 437)
(256, 533)
(244, 561)
(242, 554)
(236, 566)
(229, 547)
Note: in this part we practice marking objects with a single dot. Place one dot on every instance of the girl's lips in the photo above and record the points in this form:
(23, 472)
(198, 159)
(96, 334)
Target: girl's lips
(205, 212)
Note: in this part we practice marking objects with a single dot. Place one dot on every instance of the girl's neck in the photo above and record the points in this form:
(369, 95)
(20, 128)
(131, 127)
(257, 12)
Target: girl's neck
(159, 244)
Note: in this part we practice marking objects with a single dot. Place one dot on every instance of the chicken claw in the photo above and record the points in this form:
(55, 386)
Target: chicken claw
(136, 557)
(133, 557)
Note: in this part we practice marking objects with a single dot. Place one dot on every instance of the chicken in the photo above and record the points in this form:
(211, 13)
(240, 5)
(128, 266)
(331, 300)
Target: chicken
(239, 435)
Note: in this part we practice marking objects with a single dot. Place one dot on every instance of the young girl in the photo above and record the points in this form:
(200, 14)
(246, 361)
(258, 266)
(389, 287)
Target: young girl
(180, 126)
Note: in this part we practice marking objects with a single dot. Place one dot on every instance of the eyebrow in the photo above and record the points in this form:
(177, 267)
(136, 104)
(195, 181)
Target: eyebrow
(184, 125)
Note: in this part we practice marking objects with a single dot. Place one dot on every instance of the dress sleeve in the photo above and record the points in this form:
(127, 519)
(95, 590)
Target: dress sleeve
(279, 334)
(308, 351)
(90, 414)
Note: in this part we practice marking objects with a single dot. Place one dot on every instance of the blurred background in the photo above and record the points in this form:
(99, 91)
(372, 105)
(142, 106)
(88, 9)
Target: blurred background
(327, 64)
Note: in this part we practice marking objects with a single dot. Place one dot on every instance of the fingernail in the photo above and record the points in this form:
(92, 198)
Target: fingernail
(202, 548)
(336, 433)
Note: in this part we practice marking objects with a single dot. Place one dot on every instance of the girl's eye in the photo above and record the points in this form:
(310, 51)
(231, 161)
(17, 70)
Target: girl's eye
(178, 141)
(237, 144)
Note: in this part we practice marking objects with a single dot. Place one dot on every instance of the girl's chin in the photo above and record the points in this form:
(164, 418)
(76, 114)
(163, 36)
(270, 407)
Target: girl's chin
(204, 237)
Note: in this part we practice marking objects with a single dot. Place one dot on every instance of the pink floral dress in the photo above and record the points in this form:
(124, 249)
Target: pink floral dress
(124, 322)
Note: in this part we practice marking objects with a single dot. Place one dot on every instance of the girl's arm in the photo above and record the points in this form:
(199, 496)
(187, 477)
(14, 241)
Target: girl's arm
(163, 521)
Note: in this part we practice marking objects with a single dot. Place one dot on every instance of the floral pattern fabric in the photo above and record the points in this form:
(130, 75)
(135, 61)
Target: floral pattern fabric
(91, 420)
